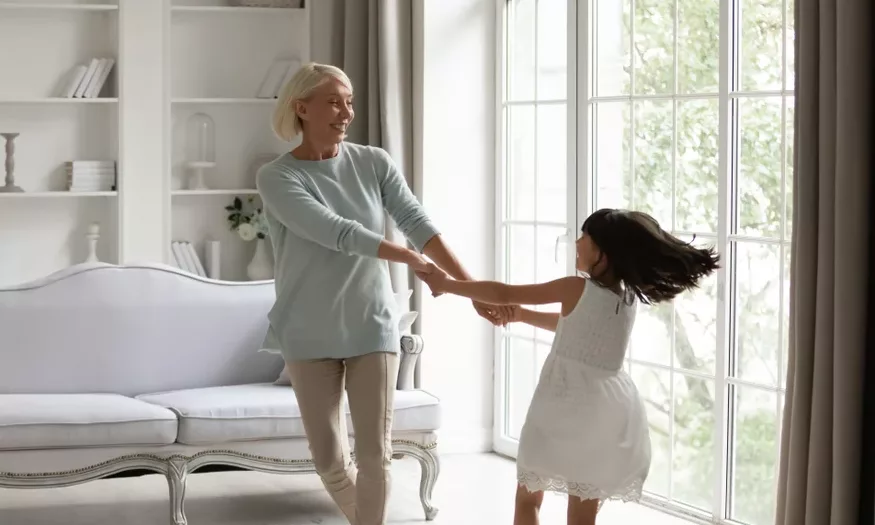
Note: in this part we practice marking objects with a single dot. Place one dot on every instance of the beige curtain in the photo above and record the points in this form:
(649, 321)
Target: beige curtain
(371, 40)
(821, 447)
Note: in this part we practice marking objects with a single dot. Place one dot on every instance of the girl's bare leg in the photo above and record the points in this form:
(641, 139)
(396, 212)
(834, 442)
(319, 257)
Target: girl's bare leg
(582, 512)
(528, 505)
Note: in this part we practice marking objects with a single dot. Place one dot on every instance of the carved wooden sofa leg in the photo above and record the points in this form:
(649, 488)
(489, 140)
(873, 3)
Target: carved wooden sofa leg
(431, 469)
(177, 477)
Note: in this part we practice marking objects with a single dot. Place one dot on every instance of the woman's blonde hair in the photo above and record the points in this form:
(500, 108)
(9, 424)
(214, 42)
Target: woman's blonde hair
(286, 122)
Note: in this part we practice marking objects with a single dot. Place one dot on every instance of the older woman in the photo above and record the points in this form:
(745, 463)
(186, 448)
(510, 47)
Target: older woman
(335, 316)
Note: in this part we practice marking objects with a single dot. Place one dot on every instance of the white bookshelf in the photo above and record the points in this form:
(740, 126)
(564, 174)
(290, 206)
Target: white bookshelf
(220, 57)
(186, 57)
(43, 229)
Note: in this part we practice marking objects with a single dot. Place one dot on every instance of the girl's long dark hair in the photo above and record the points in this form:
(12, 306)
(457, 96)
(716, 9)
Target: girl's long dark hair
(653, 264)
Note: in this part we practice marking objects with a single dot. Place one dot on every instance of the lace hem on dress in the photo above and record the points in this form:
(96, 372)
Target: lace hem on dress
(533, 483)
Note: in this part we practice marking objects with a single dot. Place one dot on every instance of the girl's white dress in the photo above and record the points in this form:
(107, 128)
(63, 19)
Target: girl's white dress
(586, 430)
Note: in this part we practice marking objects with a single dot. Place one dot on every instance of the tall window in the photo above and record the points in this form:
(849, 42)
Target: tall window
(686, 108)
(534, 206)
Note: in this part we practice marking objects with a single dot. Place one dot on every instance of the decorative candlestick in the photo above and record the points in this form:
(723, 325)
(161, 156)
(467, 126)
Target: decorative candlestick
(10, 186)
(92, 236)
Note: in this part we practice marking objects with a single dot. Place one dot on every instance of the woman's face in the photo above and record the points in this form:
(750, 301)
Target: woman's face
(328, 112)
(587, 254)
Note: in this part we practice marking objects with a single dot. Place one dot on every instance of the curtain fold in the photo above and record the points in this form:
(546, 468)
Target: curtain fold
(372, 42)
(822, 447)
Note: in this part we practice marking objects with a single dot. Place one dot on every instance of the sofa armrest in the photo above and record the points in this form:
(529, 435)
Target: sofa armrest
(411, 348)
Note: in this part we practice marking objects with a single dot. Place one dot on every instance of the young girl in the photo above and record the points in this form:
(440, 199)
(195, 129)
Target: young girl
(586, 430)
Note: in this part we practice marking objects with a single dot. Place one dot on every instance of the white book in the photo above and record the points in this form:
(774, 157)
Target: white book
(197, 260)
(75, 78)
(186, 254)
(100, 78)
(91, 163)
(173, 258)
(177, 250)
(101, 65)
(294, 66)
(92, 68)
(273, 81)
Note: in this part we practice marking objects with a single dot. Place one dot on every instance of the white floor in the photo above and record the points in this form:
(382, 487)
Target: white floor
(472, 489)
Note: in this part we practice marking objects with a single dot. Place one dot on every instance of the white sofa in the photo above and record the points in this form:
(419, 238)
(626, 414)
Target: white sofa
(107, 369)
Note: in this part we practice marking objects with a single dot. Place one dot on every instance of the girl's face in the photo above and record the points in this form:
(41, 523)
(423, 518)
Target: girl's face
(587, 254)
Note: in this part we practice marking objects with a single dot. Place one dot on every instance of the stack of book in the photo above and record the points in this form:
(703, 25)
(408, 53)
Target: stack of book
(279, 74)
(90, 175)
(87, 81)
(186, 259)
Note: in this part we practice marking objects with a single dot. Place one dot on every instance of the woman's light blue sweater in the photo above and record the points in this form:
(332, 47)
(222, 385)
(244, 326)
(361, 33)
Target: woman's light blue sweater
(326, 219)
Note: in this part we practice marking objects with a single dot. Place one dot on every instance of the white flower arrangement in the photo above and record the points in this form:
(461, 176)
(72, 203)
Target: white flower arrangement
(249, 223)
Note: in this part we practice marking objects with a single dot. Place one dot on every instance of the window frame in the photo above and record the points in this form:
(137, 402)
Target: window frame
(580, 103)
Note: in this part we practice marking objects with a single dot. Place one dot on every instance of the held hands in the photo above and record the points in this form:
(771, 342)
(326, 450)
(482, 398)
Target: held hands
(436, 280)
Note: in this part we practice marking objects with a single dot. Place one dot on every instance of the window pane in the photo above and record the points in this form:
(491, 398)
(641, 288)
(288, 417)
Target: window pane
(788, 173)
(612, 154)
(695, 324)
(697, 160)
(520, 193)
(551, 253)
(693, 469)
(520, 265)
(654, 46)
(652, 161)
(552, 49)
(698, 46)
(789, 43)
(520, 382)
(613, 40)
(755, 454)
(552, 175)
(654, 386)
(651, 336)
(759, 171)
(761, 42)
(758, 285)
(521, 49)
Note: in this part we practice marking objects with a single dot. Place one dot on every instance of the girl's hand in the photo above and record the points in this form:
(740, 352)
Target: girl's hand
(512, 314)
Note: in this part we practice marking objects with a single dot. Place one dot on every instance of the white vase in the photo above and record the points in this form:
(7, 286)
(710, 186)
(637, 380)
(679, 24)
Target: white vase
(261, 266)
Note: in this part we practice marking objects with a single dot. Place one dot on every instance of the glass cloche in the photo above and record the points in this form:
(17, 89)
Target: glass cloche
(200, 148)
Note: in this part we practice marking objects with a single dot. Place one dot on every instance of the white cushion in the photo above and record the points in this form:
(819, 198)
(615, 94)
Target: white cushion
(29, 421)
(132, 330)
(266, 411)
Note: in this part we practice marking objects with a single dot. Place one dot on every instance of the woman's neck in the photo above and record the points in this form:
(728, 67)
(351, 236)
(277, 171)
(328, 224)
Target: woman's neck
(314, 150)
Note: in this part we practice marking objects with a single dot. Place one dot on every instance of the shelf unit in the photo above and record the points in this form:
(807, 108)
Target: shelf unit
(42, 230)
(220, 57)
(173, 58)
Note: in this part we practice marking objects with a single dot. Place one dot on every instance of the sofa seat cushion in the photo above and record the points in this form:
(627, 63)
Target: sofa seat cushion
(30, 421)
(267, 411)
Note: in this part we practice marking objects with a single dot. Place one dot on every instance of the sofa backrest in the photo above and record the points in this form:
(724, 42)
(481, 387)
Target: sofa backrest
(132, 330)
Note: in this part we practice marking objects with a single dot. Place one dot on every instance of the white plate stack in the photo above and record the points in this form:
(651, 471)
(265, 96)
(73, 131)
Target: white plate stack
(90, 175)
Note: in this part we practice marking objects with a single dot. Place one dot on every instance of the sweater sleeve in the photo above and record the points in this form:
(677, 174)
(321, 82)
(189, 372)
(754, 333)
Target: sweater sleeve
(293, 205)
(401, 204)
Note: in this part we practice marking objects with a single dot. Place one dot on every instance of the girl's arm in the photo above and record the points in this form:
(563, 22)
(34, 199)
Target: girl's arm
(566, 290)
(542, 320)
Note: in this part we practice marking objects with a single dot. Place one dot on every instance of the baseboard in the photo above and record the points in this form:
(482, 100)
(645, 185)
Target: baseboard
(464, 440)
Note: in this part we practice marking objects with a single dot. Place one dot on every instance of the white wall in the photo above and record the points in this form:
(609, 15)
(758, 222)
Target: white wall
(458, 189)
(455, 180)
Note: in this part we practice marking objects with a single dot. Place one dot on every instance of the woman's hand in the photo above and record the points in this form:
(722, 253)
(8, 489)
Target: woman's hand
(497, 314)
(435, 278)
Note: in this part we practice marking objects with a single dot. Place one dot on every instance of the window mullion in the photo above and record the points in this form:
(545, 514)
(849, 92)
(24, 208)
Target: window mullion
(723, 444)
